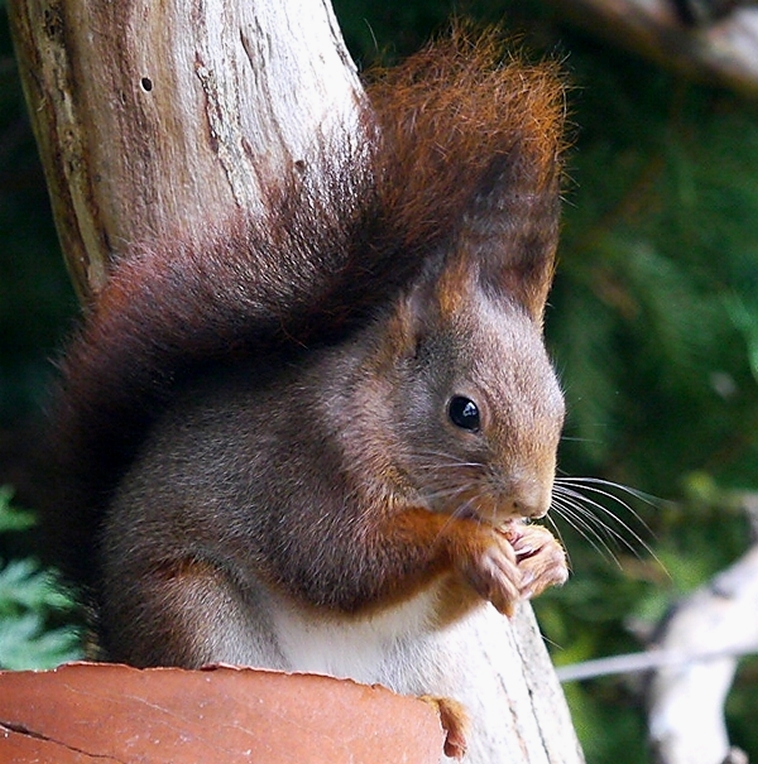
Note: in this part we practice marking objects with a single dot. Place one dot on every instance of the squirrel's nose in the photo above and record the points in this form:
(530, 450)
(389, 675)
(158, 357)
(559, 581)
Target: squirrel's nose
(532, 501)
(531, 512)
(535, 513)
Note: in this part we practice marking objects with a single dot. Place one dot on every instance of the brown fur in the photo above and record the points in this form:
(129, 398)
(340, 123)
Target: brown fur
(458, 208)
(336, 480)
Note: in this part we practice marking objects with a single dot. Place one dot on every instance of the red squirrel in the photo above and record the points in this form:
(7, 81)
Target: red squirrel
(310, 440)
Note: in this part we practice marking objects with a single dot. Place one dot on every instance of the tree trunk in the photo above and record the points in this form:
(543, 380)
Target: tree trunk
(157, 117)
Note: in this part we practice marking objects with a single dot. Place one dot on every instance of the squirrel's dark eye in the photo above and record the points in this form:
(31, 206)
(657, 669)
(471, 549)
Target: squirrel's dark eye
(464, 413)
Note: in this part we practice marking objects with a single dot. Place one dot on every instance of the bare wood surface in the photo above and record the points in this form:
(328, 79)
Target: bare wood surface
(158, 117)
(500, 669)
(724, 52)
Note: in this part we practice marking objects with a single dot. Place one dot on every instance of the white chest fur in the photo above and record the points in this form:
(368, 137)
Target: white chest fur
(366, 649)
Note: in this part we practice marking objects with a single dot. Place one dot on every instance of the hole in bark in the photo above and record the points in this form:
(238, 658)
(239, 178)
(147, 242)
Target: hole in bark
(147, 84)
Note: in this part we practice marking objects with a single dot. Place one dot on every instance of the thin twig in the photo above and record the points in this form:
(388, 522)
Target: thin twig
(633, 663)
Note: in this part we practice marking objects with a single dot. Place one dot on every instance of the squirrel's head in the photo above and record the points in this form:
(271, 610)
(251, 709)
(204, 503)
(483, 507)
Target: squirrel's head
(473, 408)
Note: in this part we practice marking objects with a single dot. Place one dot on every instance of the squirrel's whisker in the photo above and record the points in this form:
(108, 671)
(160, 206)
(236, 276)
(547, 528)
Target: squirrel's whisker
(591, 484)
(589, 503)
(568, 512)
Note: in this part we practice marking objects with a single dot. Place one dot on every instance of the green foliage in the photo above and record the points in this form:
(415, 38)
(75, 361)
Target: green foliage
(660, 249)
(31, 602)
(12, 519)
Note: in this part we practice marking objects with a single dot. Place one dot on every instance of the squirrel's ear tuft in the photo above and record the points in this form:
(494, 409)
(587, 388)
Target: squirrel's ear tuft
(470, 156)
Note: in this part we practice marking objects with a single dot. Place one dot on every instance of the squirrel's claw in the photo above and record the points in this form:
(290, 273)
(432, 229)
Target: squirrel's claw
(540, 558)
(514, 564)
(492, 571)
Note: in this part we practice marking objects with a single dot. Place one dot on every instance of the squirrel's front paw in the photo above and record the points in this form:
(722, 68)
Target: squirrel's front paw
(540, 558)
(492, 570)
(516, 563)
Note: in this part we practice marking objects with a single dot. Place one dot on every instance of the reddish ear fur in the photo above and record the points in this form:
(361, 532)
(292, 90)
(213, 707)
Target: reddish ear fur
(466, 163)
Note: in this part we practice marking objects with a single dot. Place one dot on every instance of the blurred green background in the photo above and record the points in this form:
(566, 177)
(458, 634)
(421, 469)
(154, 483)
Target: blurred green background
(653, 324)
